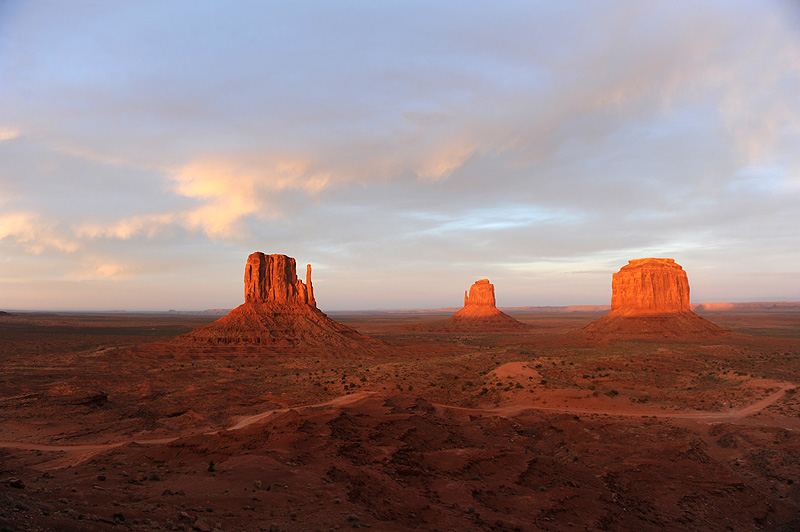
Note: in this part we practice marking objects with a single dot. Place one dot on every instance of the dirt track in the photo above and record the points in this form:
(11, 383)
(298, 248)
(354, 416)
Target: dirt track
(730, 416)
(711, 417)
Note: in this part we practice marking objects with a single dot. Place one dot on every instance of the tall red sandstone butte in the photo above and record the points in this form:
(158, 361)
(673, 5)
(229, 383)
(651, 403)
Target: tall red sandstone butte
(650, 298)
(480, 311)
(279, 310)
(650, 285)
(479, 301)
(273, 279)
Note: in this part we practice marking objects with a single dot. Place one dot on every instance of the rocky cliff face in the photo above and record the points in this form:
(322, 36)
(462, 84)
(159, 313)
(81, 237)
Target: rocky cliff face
(279, 311)
(479, 301)
(650, 285)
(480, 312)
(650, 299)
(273, 279)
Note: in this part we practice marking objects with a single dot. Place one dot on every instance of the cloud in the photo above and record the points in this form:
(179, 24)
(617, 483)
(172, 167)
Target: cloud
(8, 134)
(231, 190)
(33, 233)
(444, 161)
(224, 191)
(150, 226)
(108, 271)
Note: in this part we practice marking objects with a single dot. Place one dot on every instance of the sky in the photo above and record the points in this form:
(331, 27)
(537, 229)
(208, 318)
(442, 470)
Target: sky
(404, 149)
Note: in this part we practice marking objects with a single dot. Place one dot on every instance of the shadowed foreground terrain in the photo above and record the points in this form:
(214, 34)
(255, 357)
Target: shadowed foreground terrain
(107, 423)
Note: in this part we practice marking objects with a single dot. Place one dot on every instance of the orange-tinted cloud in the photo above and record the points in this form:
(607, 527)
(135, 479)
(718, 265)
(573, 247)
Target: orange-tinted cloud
(8, 133)
(230, 190)
(30, 231)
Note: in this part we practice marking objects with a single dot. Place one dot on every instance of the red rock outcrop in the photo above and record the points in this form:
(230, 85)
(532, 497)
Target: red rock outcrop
(650, 299)
(279, 310)
(273, 279)
(650, 285)
(479, 302)
(480, 313)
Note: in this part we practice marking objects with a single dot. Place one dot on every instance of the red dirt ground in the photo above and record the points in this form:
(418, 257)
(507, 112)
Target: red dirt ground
(107, 425)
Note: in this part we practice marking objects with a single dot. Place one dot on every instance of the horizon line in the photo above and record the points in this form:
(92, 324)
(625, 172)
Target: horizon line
(382, 309)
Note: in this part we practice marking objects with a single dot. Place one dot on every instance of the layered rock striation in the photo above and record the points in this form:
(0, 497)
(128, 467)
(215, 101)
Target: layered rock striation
(279, 310)
(650, 299)
(273, 279)
(650, 286)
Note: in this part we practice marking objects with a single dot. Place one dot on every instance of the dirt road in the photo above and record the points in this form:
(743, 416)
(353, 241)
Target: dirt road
(726, 416)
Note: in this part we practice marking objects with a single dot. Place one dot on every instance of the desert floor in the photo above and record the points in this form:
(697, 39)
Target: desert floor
(108, 424)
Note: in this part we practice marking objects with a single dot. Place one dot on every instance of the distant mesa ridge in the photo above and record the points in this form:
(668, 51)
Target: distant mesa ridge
(650, 298)
(279, 310)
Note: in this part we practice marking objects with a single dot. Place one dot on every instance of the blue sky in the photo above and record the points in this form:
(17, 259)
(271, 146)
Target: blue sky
(404, 149)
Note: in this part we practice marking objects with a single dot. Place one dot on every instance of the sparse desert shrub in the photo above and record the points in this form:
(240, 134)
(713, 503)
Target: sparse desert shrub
(211, 466)
(118, 517)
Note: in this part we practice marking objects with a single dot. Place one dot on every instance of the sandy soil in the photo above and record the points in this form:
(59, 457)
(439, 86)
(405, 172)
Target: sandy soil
(104, 424)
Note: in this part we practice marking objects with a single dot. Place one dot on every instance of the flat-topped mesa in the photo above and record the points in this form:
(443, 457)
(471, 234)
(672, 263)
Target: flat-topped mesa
(479, 302)
(650, 285)
(650, 299)
(273, 279)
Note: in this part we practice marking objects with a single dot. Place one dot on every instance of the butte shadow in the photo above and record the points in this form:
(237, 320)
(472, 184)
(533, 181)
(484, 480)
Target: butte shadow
(650, 300)
(479, 315)
(279, 311)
